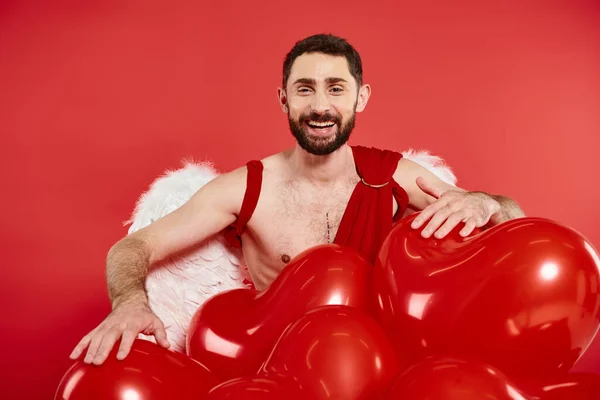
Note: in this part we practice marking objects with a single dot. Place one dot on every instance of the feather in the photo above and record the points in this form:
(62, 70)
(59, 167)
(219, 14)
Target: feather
(433, 163)
(179, 285)
(170, 191)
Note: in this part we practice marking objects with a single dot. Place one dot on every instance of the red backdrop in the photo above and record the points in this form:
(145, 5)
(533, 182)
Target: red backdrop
(98, 99)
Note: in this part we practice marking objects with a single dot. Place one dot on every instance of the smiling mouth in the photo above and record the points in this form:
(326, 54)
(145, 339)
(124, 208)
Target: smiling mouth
(320, 125)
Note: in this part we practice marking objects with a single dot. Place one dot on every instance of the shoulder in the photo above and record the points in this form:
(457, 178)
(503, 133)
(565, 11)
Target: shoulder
(252, 175)
(276, 167)
(252, 168)
(273, 162)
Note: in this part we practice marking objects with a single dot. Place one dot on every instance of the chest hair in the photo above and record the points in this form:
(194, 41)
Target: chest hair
(311, 215)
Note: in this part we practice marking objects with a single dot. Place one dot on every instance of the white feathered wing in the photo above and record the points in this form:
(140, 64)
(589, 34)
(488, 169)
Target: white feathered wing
(181, 284)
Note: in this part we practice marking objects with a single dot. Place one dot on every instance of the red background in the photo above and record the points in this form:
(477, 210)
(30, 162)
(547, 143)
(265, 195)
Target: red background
(99, 98)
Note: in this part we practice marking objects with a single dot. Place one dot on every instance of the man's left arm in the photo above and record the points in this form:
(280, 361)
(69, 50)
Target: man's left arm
(445, 206)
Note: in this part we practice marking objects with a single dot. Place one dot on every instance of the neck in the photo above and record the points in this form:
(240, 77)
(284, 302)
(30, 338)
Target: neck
(321, 169)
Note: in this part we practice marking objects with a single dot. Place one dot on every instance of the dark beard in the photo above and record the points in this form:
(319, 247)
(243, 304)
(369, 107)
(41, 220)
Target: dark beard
(321, 147)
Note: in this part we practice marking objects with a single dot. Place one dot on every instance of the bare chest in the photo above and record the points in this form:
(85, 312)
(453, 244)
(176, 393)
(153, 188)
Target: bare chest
(301, 217)
(291, 220)
(299, 223)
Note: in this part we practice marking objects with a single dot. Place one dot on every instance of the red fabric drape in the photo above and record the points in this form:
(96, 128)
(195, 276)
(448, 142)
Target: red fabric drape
(369, 214)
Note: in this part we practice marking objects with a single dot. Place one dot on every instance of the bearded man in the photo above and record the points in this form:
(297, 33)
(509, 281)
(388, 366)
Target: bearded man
(320, 191)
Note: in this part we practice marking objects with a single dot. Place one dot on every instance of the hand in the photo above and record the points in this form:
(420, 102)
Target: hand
(127, 321)
(452, 207)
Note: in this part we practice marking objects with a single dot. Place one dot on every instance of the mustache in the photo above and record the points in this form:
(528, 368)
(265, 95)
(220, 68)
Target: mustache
(320, 118)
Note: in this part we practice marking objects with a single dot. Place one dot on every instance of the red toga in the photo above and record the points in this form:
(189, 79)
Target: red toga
(368, 216)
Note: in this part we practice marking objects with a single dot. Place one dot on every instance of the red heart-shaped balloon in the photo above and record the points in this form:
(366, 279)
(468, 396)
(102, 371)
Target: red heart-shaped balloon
(451, 378)
(522, 296)
(233, 332)
(335, 352)
(256, 388)
(458, 378)
(580, 386)
(148, 372)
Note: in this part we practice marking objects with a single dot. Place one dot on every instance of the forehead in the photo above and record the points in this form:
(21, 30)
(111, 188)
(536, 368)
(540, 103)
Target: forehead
(319, 66)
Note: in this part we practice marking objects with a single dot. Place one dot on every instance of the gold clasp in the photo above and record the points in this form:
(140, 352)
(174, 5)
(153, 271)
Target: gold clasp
(373, 186)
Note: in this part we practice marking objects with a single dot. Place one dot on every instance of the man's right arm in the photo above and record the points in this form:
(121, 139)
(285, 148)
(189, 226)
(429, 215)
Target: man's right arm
(128, 262)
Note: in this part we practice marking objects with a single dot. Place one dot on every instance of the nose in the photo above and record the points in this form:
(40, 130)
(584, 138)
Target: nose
(320, 103)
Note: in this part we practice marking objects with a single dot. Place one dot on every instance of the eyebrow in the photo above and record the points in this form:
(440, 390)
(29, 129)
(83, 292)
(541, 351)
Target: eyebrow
(310, 81)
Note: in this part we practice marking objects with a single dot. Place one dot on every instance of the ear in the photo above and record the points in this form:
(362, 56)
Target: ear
(282, 98)
(363, 97)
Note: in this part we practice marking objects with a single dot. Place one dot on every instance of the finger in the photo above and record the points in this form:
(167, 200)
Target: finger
(83, 343)
(160, 334)
(429, 188)
(436, 221)
(93, 347)
(482, 220)
(127, 340)
(468, 228)
(451, 223)
(428, 212)
(108, 342)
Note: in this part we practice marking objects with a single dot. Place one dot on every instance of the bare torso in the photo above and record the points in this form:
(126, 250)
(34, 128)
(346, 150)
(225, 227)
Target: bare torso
(292, 215)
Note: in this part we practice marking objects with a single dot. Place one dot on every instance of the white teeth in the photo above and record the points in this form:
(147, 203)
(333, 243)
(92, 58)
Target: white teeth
(321, 124)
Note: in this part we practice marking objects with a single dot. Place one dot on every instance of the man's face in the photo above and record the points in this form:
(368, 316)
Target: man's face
(321, 98)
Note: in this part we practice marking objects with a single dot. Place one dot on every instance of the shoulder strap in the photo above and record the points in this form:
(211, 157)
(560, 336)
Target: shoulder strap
(368, 216)
(253, 187)
(375, 167)
(401, 198)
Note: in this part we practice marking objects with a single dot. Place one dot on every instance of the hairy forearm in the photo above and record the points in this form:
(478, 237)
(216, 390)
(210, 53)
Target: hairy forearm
(509, 209)
(127, 266)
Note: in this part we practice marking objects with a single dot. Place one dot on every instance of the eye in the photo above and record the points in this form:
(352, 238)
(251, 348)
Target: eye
(337, 89)
(303, 89)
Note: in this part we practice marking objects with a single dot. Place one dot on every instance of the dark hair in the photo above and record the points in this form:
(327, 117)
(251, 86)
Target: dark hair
(326, 44)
